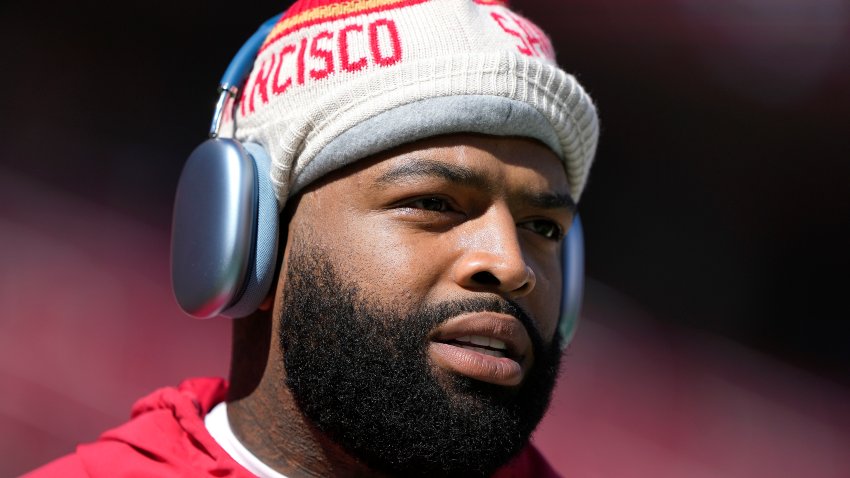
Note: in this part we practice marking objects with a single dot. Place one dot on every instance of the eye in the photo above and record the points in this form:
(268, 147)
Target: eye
(544, 227)
(434, 204)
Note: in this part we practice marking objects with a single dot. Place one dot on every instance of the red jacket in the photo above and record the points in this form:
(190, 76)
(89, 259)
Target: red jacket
(166, 437)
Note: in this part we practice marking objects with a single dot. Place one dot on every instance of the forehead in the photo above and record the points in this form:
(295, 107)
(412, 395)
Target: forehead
(475, 160)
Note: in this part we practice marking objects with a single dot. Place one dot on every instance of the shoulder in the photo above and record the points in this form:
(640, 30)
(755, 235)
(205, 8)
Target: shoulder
(69, 466)
(165, 437)
(529, 462)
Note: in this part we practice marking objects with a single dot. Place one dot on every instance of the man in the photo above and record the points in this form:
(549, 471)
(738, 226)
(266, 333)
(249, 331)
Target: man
(426, 157)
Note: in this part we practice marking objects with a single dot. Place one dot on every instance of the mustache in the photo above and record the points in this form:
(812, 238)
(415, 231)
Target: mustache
(444, 311)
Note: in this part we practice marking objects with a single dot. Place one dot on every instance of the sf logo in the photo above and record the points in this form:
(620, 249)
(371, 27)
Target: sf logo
(529, 39)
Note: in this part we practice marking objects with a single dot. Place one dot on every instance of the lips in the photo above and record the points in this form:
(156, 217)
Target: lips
(486, 346)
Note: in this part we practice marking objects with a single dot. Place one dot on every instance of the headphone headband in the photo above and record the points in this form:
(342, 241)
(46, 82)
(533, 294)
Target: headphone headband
(238, 69)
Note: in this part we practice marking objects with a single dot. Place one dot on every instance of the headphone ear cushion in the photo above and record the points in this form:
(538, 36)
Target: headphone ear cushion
(262, 266)
(573, 266)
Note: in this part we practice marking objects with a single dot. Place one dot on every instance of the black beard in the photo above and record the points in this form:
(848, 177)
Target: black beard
(360, 373)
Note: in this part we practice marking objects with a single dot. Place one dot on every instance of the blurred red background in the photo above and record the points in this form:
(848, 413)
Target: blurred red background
(714, 336)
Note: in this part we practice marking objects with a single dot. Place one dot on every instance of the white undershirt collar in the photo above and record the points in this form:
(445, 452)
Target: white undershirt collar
(219, 427)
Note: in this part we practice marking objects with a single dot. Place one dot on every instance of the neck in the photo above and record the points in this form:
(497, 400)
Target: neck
(264, 415)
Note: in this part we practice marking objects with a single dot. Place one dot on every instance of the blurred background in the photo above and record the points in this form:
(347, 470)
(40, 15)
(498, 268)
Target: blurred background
(715, 334)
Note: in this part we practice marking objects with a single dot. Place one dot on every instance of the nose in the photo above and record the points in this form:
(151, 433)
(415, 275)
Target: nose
(492, 257)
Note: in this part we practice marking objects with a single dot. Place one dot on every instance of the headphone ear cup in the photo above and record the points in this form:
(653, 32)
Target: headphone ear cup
(222, 250)
(572, 258)
(261, 269)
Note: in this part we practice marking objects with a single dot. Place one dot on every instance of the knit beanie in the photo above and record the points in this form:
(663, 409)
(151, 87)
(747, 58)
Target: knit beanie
(339, 80)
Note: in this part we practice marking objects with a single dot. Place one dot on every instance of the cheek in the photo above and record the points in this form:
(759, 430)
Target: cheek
(386, 261)
(545, 300)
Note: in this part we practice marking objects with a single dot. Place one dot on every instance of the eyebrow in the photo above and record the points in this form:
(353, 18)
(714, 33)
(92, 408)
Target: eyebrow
(551, 201)
(423, 168)
(466, 177)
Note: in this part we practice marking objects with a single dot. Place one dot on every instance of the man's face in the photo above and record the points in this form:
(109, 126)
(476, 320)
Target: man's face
(419, 301)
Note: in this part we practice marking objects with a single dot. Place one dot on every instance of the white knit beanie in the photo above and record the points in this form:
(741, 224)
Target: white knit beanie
(339, 80)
